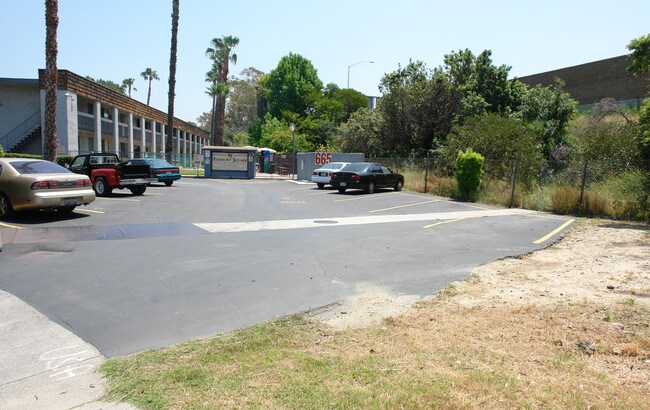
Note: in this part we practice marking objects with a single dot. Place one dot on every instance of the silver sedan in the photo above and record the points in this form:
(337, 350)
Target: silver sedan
(37, 184)
(321, 176)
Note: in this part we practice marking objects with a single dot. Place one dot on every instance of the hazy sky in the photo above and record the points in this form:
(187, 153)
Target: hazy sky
(117, 39)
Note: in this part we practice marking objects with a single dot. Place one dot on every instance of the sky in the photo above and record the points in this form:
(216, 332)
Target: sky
(118, 39)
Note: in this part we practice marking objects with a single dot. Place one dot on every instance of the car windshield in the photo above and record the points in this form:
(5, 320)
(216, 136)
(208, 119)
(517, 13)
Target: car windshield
(158, 163)
(358, 167)
(332, 165)
(38, 167)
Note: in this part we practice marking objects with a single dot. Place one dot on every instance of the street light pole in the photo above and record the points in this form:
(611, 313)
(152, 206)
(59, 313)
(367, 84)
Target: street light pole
(293, 148)
(365, 61)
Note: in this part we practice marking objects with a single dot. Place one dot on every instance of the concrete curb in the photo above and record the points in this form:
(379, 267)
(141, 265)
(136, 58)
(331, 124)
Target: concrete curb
(45, 366)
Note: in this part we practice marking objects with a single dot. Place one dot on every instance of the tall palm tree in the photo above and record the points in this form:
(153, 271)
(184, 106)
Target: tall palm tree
(128, 83)
(212, 90)
(51, 76)
(169, 142)
(220, 53)
(149, 75)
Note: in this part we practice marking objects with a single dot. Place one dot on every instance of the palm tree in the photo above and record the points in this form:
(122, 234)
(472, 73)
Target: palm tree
(149, 75)
(212, 90)
(169, 142)
(127, 83)
(220, 53)
(51, 76)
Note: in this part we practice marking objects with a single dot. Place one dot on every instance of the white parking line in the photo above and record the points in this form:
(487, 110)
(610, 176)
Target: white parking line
(92, 211)
(348, 221)
(404, 206)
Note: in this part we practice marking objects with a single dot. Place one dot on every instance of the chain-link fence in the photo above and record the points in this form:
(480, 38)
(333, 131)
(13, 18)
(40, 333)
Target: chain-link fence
(612, 188)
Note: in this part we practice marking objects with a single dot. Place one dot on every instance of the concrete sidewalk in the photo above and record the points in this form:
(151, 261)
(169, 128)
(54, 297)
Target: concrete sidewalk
(43, 365)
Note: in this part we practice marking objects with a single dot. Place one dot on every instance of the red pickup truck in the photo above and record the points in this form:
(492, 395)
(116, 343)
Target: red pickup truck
(107, 172)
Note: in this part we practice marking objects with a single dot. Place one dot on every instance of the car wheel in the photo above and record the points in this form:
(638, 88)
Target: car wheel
(67, 209)
(169, 183)
(6, 210)
(101, 187)
(370, 188)
(138, 189)
(399, 185)
(320, 185)
(341, 190)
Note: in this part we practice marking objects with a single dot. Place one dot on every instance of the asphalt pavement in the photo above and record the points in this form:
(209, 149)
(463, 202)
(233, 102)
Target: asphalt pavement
(204, 256)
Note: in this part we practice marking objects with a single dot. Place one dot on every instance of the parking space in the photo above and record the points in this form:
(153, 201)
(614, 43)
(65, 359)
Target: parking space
(203, 256)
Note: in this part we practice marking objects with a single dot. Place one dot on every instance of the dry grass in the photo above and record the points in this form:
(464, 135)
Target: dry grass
(439, 355)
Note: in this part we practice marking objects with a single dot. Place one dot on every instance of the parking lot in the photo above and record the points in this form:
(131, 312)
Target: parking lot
(128, 273)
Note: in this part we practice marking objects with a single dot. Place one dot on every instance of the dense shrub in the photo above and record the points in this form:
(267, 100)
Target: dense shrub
(628, 194)
(64, 159)
(15, 155)
(564, 200)
(502, 141)
(469, 172)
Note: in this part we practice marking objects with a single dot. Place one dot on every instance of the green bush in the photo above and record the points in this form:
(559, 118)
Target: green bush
(469, 172)
(628, 194)
(2, 152)
(64, 159)
(29, 156)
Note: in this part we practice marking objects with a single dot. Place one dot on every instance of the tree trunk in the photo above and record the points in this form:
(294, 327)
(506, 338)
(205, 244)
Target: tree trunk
(51, 76)
(169, 142)
(149, 93)
(213, 122)
(221, 101)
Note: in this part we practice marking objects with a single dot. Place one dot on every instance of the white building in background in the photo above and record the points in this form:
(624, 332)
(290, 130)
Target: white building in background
(90, 118)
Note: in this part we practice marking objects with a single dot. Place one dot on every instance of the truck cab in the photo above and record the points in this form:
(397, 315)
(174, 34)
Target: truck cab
(107, 172)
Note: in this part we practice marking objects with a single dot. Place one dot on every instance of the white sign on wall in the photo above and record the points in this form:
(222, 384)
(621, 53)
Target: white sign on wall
(229, 161)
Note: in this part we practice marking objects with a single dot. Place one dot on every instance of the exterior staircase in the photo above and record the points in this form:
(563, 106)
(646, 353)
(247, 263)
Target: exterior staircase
(23, 134)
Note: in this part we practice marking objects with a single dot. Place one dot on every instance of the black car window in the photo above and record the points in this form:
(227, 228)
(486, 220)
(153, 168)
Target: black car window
(0, 169)
(385, 170)
(79, 161)
(376, 169)
(358, 167)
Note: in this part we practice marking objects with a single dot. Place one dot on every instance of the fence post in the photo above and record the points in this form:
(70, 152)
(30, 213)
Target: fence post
(426, 173)
(582, 186)
(397, 165)
(514, 182)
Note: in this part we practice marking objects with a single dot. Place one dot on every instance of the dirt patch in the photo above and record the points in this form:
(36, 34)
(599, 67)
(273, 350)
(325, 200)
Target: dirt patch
(586, 296)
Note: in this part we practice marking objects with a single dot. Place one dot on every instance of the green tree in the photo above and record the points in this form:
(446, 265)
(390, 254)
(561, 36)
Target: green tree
(503, 141)
(418, 109)
(362, 133)
(148, 74)
(243, 99)
(486, 87)
(640, 57)
(606, 135)
(51, 77)
(169, 142)
(277, 135)
(547, 111)
(220, 52)
(108, 84)
(204, 121)
(292, 87)
(644, 129)
(128, 84)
